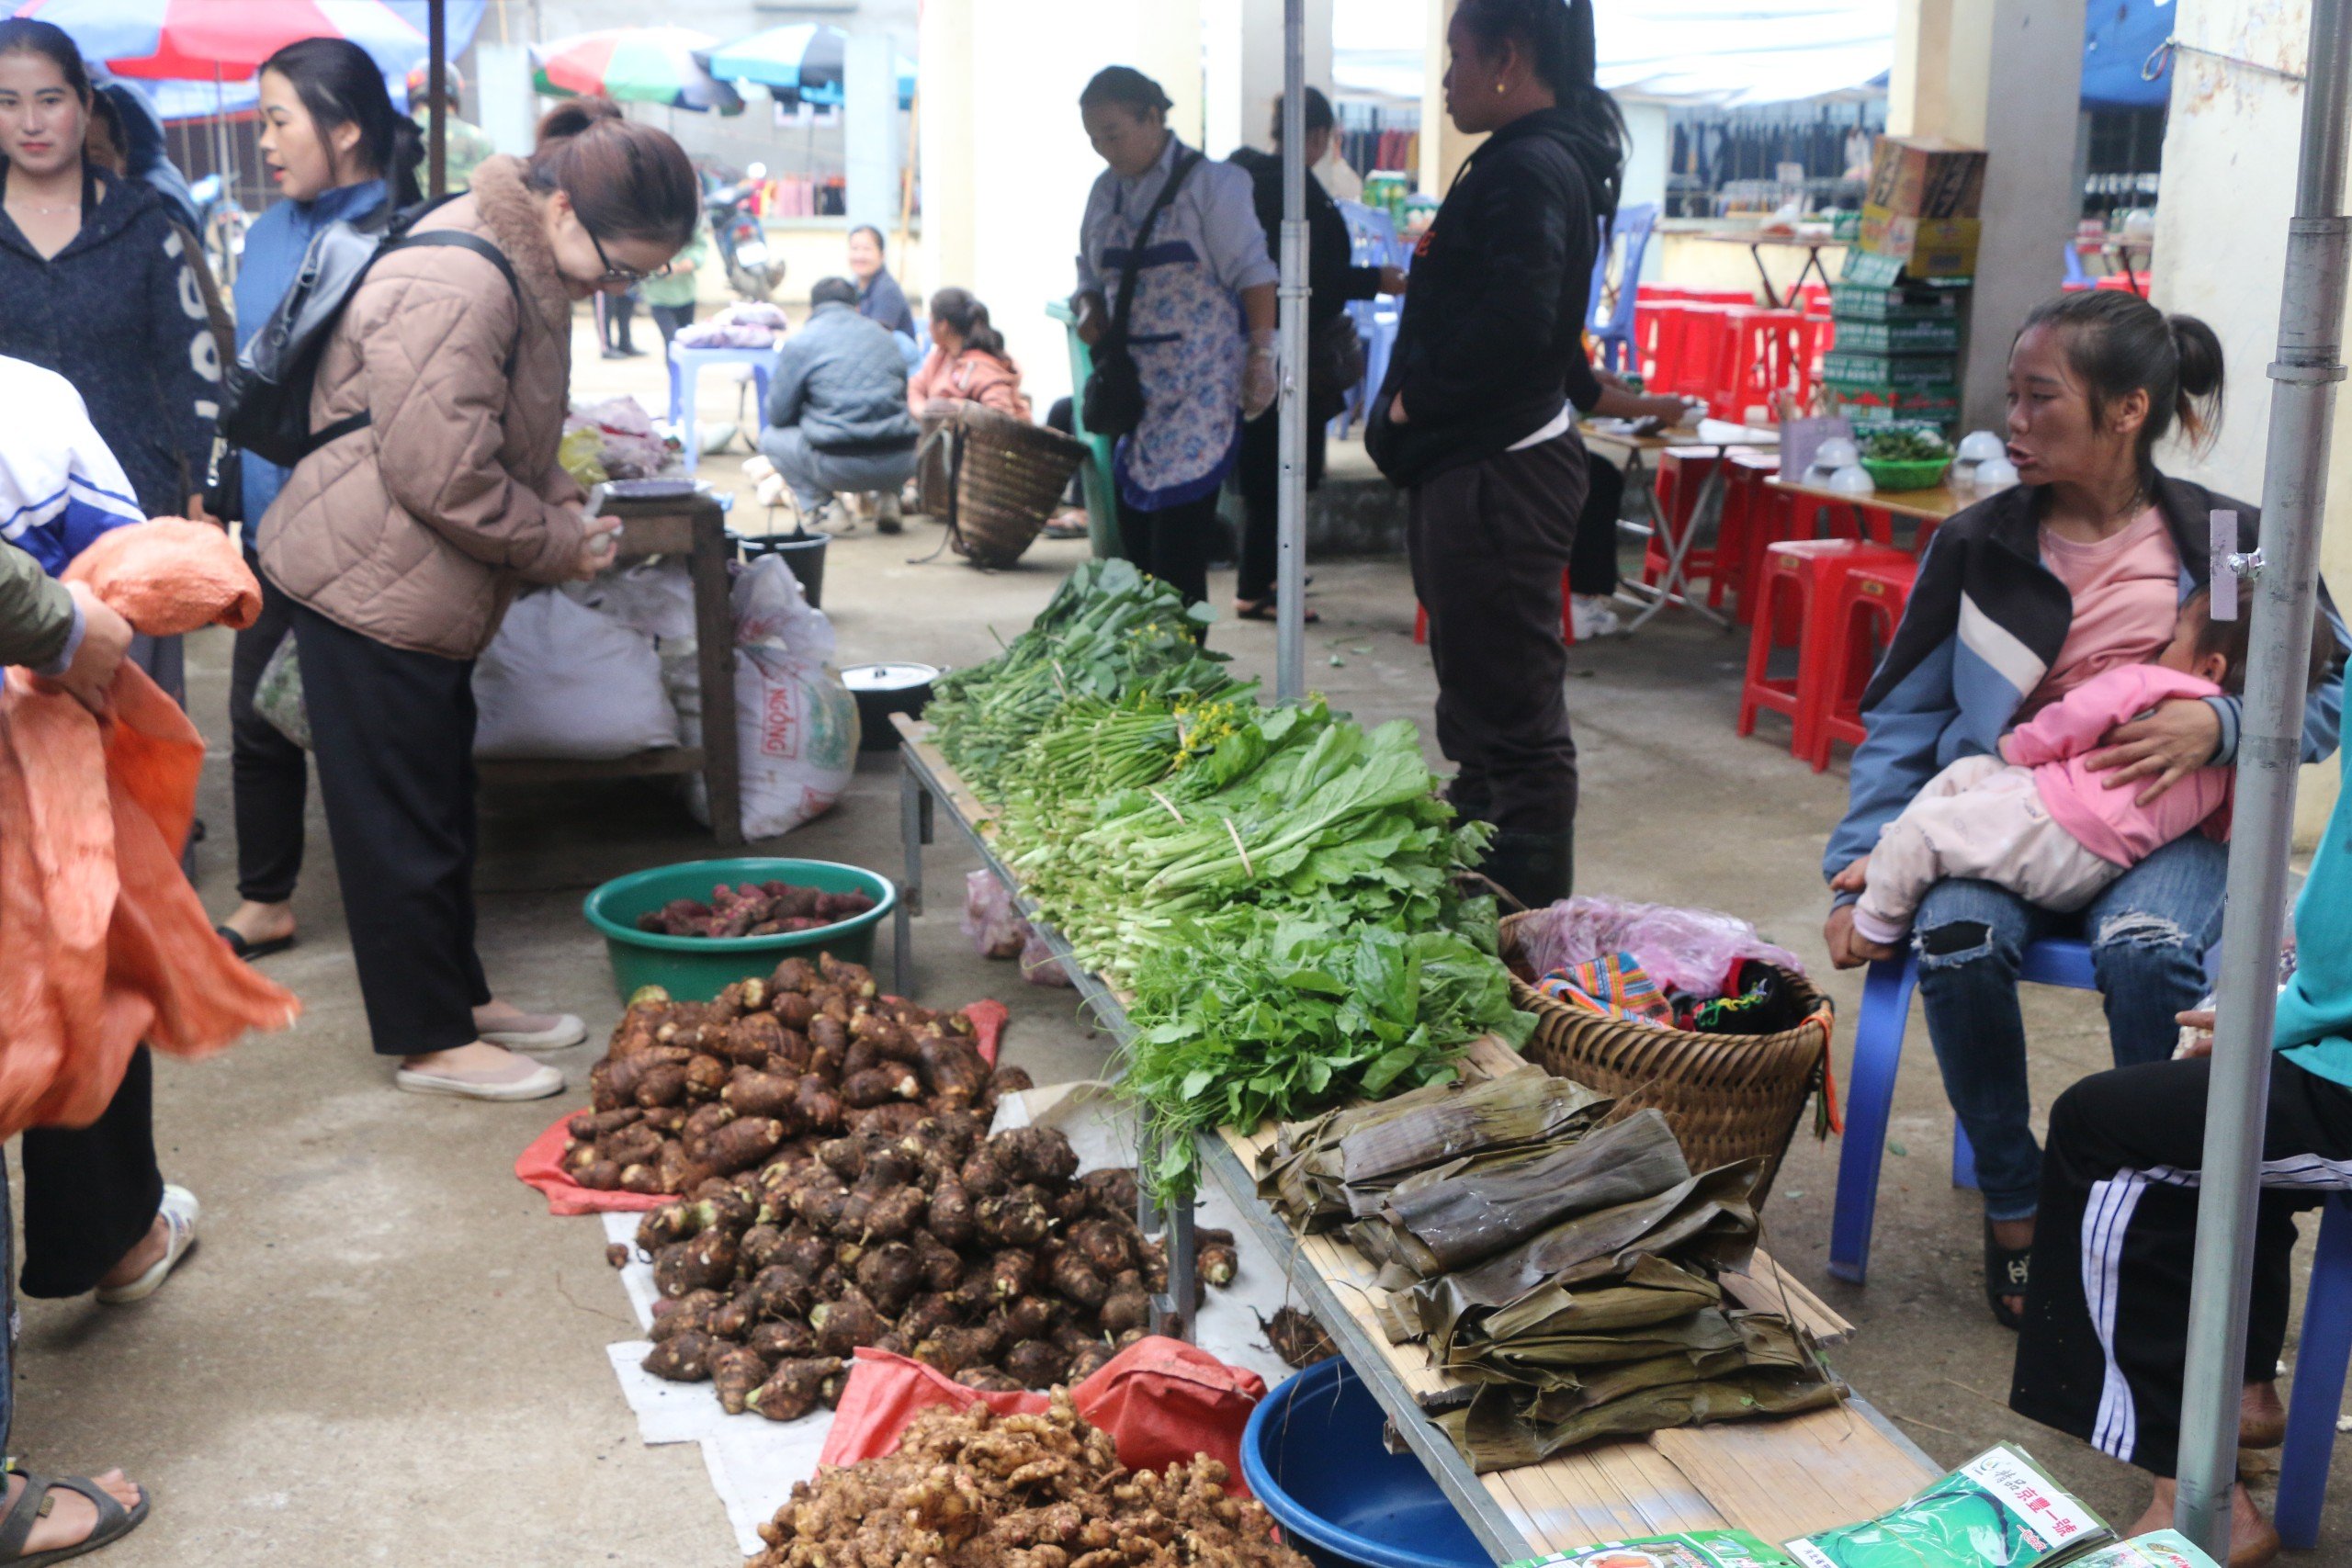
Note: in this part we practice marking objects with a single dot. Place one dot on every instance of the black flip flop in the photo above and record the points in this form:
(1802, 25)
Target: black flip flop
(2004, 1275)
(246, 952)
(115, 1521)
(1264, 609)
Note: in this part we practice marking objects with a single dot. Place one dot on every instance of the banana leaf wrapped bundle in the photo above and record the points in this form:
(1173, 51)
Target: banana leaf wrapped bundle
(1321, 1173)
(1452, 1216)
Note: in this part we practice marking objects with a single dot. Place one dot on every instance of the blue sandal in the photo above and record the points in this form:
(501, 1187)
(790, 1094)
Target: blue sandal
(33, 1504)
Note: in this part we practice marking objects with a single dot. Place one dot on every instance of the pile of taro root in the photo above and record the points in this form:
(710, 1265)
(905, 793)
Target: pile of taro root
(754, 909)
(971, 1489)
(692, 1090)
(839, 1189)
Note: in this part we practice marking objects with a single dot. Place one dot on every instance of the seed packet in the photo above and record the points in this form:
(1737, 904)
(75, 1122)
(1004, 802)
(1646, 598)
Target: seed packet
(2157, 1548)
(1698, 1549)
(1997, 1511)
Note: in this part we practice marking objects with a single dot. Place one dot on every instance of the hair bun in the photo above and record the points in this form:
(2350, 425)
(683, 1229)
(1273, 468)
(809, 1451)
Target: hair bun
(574, 116)
(2201, 356)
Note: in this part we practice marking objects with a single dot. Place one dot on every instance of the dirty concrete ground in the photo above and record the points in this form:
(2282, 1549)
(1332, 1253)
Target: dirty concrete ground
(386, 1351)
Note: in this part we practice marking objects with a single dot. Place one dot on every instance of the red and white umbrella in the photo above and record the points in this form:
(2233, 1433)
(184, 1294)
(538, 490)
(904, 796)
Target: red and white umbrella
(206, 40)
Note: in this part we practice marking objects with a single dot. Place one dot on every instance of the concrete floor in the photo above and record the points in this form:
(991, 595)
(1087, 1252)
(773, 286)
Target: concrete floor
(386, 1351)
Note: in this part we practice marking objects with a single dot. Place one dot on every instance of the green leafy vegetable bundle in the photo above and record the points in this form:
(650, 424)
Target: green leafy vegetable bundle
(1109, 633)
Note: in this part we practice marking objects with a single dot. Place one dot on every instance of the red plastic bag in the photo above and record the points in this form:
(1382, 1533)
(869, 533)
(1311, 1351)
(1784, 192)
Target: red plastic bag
(1160, 1400)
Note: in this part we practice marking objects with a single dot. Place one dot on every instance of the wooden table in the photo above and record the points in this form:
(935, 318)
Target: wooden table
(693, 527)
(1926, 507)
(1756, 241)
(1673, 587)
(1780, 1478)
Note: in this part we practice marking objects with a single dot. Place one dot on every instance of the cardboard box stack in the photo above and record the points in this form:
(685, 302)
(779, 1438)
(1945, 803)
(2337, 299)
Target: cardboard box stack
(1897, 304)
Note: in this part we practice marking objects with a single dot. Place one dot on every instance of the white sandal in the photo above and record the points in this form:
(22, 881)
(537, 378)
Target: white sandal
(538, 1084)
(179, 1212)
(540, 1032)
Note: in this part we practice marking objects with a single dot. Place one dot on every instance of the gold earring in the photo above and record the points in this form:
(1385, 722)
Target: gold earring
(1499, 88)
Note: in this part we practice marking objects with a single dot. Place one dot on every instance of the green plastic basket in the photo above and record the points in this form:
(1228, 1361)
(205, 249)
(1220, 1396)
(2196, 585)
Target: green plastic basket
(696, 969)
(1912, 473)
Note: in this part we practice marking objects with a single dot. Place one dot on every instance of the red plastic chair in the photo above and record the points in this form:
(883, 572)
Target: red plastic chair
(1800, 578)
(1864, 610)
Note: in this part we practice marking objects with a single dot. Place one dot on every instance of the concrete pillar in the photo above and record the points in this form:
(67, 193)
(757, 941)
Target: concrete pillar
(1241, 47)
(2024, 113)
(1443, 148)
(1005, 163)
(870, 128)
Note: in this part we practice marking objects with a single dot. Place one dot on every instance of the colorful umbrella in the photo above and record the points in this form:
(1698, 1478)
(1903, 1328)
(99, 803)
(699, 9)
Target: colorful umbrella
(207, 40)
(646, 65)
(798, 63)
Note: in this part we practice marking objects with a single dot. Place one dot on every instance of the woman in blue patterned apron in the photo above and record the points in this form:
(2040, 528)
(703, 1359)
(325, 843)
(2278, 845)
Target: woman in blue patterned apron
(1201, 327)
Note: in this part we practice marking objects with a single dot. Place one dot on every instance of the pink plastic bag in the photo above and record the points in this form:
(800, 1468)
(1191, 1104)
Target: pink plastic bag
(1683, 950)
(995, 926)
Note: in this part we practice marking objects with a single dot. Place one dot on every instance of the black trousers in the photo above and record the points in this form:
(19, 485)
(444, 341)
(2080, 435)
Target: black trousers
(1592, 563)
(268, 774)
(669, 317)
(618, 310)
(1172, 543)
(2107, 1318)
(394, 737)
(1258, 469)
(1488, 541)
(91, 1193)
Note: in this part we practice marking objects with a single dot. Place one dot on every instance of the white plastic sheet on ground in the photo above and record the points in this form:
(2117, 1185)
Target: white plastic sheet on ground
(753, 1461)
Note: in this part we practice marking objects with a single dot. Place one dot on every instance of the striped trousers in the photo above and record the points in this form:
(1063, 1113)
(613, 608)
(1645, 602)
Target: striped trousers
(2105, 1331)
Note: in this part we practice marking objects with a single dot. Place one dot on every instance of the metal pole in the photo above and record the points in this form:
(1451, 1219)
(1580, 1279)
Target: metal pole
(436, 81)
(2269, 751)
(1290, 515)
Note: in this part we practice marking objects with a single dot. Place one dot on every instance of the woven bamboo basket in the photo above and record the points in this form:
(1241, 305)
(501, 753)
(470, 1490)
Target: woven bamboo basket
(1728, 1097)
(993, 478)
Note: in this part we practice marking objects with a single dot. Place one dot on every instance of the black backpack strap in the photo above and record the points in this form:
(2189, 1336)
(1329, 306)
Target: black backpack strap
(462, 241)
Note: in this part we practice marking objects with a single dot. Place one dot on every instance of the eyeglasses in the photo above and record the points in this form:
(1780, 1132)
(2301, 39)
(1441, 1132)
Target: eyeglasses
(614, 272)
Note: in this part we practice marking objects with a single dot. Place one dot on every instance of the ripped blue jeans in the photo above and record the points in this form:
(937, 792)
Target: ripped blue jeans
(2149, 934)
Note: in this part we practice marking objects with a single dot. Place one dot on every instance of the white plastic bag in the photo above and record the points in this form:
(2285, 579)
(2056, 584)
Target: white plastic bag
(561, 682)
(797, 722)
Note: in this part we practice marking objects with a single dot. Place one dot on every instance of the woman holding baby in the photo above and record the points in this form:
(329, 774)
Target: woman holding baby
(2052, 634)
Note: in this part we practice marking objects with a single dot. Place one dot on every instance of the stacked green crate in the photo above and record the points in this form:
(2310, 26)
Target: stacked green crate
(1896, 355)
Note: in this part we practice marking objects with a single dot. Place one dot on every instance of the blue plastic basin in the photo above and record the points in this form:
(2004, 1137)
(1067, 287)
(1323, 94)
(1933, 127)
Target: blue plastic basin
(1312, 1453)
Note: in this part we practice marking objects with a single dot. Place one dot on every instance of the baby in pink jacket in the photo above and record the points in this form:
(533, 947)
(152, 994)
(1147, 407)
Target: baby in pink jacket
(2034, 819)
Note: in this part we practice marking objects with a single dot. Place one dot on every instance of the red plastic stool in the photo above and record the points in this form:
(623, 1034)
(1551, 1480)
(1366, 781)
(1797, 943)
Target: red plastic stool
(1798, 580)
(1657, 340)
(1768, 352)
(1680, 478)
(1766, 517)
(1706, 348)
(1870, 599)
(1568, 619)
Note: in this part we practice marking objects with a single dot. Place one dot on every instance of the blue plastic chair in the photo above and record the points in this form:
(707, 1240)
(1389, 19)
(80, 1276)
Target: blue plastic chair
(2318, 1392)
(1611, 324)
(2076, 276)
(1870, 1088)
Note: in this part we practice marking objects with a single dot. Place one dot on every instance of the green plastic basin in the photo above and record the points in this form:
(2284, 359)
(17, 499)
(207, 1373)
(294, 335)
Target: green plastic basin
(696, 969)
(1906, 473)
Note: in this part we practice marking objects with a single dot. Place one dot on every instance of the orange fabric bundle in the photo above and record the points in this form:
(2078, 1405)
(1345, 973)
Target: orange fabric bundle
(105, 944)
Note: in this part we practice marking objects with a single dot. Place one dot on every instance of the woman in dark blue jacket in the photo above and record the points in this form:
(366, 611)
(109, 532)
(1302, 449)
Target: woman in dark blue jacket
(95, 284)
(2080, 567)
(331, 142)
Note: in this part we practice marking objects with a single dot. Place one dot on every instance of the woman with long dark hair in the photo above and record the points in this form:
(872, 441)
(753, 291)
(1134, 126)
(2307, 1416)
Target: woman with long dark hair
(95, 285)
(1476, 418)
(2080, 568)
(338, 152)
(968, 360)
(402, 540)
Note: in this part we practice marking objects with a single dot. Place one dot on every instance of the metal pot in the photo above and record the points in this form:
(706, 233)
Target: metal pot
(882, 690)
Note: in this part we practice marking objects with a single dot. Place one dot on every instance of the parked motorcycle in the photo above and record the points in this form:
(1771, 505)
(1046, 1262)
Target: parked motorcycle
(753, 270)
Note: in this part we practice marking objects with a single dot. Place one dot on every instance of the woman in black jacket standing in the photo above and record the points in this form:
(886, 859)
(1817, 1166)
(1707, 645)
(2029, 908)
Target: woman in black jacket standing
(1475, 419)
(1333, 280)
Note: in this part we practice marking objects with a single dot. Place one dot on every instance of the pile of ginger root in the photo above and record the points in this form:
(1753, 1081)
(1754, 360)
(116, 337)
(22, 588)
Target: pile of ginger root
(972, 1489)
